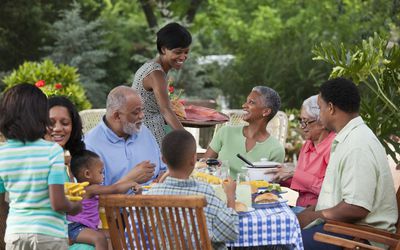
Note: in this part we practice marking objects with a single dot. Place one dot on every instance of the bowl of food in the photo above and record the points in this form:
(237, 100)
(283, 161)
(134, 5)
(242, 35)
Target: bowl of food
(263, 170)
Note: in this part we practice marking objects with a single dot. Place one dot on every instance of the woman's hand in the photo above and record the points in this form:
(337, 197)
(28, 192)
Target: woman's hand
(282, 172)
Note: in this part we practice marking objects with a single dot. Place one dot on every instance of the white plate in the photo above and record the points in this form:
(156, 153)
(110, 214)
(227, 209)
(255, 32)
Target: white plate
(264, 164)
(270, 204)
(249, 209)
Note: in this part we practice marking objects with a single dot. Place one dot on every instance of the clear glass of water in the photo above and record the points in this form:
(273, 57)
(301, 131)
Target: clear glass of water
(243, 189)
(224, 170)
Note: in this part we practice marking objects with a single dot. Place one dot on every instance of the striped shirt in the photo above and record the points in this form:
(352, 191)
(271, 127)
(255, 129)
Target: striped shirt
(222, 222)
(26, 171)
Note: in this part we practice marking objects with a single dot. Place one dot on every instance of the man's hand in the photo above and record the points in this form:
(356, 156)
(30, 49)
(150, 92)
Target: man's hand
(307, 216)
(141, 173)
(162, 176)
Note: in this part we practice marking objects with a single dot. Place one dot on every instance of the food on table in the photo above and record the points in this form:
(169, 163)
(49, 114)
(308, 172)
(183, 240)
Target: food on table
(200, 164)
(74, 191)
(266, 198)
(274, 187)
(240, 207)
(211, 179)
(255, 185)
(178, 108)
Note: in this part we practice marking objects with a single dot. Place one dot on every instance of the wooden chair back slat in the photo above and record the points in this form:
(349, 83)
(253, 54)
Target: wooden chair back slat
(167, 229)
(187, 228)
(134, 229)
(203, 230)
(160, 228)
(180, 227)
(146, 223)
(153, 226)
(173, 218)
(140, 225)
(165, 222)
(194, 228)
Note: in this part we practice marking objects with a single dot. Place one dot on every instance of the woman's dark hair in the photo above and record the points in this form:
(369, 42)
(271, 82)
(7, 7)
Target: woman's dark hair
(75, 142)
(81, 160)
(342, 93)
(173, 35)
(24, 113)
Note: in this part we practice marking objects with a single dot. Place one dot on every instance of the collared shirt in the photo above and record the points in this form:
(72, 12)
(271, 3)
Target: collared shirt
(120, 155)
(310, 170)
(222, 222)
(358, 173)
(229, 141)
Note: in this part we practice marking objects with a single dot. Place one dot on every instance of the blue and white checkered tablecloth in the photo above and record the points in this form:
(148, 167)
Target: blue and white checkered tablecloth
(276, 225)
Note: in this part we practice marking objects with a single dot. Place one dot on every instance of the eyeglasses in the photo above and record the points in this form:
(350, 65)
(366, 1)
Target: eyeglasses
(304, 123)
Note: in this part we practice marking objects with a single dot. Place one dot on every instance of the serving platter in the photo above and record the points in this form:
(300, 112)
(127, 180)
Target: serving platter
(269, 204)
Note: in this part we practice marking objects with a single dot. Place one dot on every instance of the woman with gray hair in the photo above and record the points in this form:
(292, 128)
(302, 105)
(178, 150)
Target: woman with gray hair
(313, 158)
(253, 140)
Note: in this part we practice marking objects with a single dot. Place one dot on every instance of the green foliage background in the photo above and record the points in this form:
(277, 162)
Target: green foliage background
(271, 41)
(375, 66)
(31, 72)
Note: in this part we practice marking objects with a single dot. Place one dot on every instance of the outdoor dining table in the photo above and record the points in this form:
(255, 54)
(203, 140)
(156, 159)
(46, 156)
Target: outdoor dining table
(269, 226)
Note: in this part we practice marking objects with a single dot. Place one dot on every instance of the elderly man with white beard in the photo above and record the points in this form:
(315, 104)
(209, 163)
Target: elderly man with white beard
(127, 148)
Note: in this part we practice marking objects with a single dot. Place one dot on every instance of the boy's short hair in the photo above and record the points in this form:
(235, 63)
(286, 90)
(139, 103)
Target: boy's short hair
(342, 93)
(82, 160)
(177, 147)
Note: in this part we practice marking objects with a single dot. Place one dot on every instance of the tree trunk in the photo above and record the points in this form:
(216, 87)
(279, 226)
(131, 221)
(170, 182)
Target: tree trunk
(149, 13)
(191, 12)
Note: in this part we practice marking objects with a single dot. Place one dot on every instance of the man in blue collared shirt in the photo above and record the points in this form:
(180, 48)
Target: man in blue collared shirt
(127, 148)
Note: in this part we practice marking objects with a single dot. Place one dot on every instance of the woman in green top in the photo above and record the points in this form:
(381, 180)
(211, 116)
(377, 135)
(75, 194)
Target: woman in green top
(253, 140)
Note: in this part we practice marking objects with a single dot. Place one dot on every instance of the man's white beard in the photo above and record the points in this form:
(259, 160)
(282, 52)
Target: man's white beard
(131, 128)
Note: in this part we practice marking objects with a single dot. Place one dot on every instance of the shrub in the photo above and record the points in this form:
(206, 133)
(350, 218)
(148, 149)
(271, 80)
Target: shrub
(52, 76)
(374, 65)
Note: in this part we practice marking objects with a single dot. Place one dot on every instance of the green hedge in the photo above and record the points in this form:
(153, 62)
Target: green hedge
(52, 80)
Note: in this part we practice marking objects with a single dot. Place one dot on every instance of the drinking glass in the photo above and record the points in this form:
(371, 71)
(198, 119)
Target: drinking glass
(243, 189)
(224, 170)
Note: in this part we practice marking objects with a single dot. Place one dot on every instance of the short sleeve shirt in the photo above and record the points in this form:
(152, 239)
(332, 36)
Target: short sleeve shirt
(358, 173)
(229, 141)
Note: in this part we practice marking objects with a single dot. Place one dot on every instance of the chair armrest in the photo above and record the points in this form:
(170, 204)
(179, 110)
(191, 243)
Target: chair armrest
(341, 242)
(331, 223)
(362, 234)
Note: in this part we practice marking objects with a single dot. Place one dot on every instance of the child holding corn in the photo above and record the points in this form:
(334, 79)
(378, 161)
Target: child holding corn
(87, 166)
(32, 172)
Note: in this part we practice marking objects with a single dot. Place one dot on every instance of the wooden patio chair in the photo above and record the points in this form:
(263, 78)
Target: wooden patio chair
(277, 127)
(156, 221)
(360, 233)
(90, 118)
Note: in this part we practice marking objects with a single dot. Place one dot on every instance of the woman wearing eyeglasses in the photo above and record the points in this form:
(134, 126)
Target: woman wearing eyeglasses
(313, 158)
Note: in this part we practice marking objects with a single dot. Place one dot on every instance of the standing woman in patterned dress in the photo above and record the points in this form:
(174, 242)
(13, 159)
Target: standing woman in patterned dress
(173, 41)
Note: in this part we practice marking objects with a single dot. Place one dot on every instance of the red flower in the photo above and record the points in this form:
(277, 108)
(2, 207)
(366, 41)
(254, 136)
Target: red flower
(58, 85)
(171, 89)
(40, 83)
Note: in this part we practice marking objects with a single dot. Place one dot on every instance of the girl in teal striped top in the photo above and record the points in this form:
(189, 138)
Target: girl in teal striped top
(32, 172)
